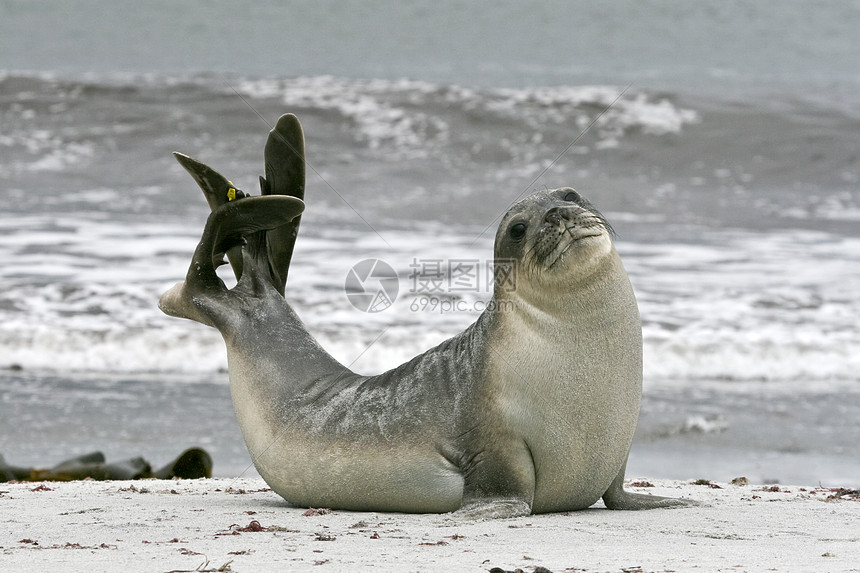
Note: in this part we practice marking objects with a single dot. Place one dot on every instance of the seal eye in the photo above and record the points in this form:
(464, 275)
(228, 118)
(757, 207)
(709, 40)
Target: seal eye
(571, 196)
(518, 231)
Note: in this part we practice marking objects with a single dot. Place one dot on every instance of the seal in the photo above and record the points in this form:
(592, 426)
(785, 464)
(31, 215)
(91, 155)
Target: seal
(531, 409)
(193, 463)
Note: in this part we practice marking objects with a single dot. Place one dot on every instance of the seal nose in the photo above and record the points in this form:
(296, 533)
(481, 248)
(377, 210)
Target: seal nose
(556, 215)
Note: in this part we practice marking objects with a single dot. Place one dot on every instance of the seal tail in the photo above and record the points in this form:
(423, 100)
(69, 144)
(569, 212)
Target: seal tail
(202, 295)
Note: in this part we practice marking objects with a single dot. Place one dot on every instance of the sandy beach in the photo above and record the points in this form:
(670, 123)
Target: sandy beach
(240, 525)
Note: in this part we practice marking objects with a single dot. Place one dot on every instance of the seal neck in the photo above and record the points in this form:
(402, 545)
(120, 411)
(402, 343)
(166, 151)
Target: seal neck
(599, 295)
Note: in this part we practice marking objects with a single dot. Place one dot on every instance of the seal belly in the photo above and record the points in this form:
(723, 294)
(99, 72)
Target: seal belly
(362, 477)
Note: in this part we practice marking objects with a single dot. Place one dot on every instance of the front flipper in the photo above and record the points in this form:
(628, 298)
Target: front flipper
(616, 498)
(493, 509)
(499, 483)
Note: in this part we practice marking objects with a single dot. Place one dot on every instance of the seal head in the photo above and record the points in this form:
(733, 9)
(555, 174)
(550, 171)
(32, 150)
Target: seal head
(553, 236)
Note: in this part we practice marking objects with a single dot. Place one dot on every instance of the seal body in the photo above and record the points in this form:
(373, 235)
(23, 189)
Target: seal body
(530, 409)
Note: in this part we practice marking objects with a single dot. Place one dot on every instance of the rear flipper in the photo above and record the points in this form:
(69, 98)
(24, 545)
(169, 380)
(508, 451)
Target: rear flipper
(203, 297)
(218, 190)
(616, 498)
(285, 175)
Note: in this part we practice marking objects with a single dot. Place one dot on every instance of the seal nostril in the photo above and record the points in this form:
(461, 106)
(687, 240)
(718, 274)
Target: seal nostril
(555, 215)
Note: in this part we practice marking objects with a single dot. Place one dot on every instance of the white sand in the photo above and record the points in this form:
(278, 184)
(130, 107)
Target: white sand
(160, 526)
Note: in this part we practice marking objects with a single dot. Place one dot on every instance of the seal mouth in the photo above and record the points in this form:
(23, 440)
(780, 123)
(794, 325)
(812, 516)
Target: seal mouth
(571, 236)
(562, 231)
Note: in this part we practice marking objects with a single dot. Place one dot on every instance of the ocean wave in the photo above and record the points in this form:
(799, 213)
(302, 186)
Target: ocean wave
(45, 151)
(751, 356)
(729, 311)
(414, 115)
(636, 149)
(81, 291)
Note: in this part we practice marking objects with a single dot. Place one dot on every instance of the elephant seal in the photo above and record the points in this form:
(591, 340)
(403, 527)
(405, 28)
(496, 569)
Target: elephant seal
(531, 409)
(193, 463)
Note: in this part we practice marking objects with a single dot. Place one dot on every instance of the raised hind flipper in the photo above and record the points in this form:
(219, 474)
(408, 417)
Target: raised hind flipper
(201, 296)
(285, 175)
(218, 190)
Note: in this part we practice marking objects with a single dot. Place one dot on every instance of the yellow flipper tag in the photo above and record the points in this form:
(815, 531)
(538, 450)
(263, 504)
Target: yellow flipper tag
(231, 194)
